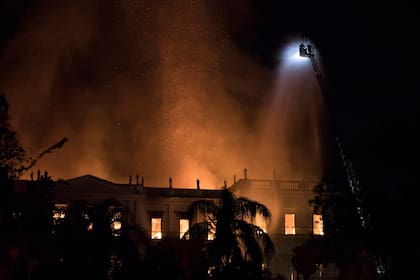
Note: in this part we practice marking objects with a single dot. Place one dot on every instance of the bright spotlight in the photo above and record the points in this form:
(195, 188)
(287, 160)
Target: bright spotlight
(294, 54)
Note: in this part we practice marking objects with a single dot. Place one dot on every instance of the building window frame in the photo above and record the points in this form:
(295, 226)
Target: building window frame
(116, 217)
(290, 224)
(59, 213)
(156, 227)
(317, 224)
(184, 226)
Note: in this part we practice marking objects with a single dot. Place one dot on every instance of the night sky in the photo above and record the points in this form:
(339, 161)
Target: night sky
(117, 78)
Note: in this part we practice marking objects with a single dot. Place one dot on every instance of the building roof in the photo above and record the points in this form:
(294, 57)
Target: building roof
(89, 184)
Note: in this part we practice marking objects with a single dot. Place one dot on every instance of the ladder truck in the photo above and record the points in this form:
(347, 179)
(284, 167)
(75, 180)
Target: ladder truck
(307, 50)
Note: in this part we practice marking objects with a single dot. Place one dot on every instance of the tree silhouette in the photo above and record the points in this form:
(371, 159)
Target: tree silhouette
(12, 154)
(344, 243)
(13, 161)
(25, 212)
(306, 258)
(239, 248)
(88, 248)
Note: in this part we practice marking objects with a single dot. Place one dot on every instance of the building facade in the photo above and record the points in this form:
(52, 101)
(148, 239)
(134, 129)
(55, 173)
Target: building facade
(162, 211)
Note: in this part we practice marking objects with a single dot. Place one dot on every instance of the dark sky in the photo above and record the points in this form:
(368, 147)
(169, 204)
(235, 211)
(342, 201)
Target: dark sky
(74, 55)
(370, 73)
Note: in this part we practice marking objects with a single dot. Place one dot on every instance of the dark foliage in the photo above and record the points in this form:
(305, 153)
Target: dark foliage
(239, 248)
(346, 242)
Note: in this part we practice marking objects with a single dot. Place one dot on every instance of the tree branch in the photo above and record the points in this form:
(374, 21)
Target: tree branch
(57, 145)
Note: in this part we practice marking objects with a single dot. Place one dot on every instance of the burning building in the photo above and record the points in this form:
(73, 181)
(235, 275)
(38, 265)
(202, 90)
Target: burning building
(162, 211)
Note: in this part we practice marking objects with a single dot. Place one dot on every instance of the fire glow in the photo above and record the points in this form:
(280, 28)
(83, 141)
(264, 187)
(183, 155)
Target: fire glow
(155, 91)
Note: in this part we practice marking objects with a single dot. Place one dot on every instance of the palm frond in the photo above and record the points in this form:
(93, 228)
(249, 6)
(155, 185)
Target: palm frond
(198, 231)
(203, 206)
(247, 232)
(252, 249)
(246, 208)
(225, 252)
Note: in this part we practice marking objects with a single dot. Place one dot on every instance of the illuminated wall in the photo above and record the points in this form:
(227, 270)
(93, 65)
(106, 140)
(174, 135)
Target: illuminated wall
(162, 212)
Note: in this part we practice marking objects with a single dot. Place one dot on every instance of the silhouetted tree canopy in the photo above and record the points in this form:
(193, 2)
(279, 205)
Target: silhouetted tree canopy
(239, 248)
(307, 257)
(345, 242)
(12, 154)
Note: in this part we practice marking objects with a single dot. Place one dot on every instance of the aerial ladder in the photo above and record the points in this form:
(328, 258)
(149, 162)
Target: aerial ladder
(307, 50)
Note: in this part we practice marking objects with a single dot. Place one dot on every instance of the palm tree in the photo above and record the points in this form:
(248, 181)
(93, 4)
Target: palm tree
(239, 246)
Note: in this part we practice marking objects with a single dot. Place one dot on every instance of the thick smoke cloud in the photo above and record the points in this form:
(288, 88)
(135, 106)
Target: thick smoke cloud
(155, 88)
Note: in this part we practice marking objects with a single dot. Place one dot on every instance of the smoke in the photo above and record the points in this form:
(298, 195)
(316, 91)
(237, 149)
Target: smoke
(155, 88)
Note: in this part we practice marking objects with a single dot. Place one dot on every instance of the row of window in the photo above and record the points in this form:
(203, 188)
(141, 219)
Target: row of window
(289, 226)
(156, 223)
